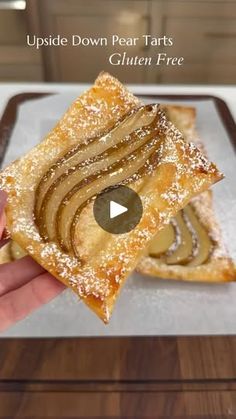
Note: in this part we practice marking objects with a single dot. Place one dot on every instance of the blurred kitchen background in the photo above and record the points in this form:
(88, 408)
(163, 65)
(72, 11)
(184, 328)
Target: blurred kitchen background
(204, 33)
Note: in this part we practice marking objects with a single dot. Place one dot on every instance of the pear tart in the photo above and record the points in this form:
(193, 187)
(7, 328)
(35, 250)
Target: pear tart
(190, 247)
(106, 138)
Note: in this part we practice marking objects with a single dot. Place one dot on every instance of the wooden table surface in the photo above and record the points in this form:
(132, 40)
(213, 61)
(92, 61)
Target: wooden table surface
(184, 377)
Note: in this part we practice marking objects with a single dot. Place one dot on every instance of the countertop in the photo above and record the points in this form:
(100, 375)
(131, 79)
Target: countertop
(227, 93)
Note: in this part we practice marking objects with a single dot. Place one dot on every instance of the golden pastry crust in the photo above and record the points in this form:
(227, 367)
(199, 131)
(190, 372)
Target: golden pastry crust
(219, 267)
(178, 173)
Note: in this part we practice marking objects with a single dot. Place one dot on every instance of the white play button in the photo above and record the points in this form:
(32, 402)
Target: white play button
(116, 209)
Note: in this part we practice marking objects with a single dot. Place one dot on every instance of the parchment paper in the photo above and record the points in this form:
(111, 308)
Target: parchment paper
(147, 306)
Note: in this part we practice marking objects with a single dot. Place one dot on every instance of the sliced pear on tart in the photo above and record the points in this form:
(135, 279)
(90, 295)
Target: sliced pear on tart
(203, 242)
(77, 177)
(184, 248)
(162, 241)
(185, 241)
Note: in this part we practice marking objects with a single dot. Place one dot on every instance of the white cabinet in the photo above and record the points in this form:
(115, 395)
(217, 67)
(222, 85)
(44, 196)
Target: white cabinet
(204, 32)
(17, 62)
(92, 19)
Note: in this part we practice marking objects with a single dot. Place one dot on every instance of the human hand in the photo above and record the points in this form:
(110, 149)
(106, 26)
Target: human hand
(24, 285)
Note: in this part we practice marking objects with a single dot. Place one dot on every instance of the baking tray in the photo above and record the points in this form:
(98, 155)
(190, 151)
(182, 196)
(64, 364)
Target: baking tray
(147, 307)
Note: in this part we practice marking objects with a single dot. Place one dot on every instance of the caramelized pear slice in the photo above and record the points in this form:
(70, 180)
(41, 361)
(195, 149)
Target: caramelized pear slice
(162, 241)
(5, 253)
(16, 251)
(204, 244)
(184, 251)
(95, 146)
(65, 184)
(89, 161)
(80, 196)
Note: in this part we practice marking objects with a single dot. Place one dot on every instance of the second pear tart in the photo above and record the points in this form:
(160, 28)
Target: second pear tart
(190, 247)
